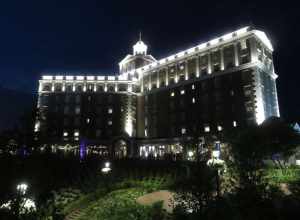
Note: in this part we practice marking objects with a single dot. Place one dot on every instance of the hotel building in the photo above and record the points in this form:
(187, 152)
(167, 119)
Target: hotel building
(151, 106)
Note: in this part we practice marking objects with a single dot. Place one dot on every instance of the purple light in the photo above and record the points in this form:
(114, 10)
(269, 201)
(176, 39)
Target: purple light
(82, 149)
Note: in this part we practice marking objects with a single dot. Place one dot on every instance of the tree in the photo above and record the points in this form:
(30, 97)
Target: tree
(249, 147)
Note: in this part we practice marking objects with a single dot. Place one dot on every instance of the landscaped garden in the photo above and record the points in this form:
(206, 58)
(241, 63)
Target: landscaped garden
(252, 182)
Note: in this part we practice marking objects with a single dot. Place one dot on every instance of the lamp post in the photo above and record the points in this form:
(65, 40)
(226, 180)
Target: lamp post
(215, 162)
(106, 169)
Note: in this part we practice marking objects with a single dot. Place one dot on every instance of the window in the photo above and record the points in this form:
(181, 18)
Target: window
(77, 122)
(110, 111)
(66, 122)
(109, 122)
(193, 100)
(243, 45)
(88, 120)
(182, 92)
(76, 133)
(183, 131)
(231, 92)
(66, 110)
(234, 123)
(193, 87)
(65, 134)
(206, 128)
(247, 90)
(77, 110)
(98, 133)
(172, 94)
(67, 98)
(219, 128)
(69, 88)
(77, 99)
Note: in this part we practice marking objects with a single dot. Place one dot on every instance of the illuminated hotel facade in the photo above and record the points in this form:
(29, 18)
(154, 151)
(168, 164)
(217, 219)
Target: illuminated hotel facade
(151, 106)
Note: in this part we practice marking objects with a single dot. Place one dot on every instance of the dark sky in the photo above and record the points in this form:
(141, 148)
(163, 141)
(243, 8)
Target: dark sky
(95, 35)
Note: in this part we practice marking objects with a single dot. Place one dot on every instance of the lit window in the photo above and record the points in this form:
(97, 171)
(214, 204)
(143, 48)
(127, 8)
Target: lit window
(109, 122)
(183, 130)
(88, 120)
(193, 100)
(220, 128)
(65, 134)
(76, 133)
(234, 123)
(146, 133)
(193, 86)
(110, 111)
(76, 139)
(206, 128)
(181, 67)
(182, 92)
(172, 94)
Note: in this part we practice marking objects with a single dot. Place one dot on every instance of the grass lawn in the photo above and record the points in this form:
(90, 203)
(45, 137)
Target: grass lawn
(120, 202)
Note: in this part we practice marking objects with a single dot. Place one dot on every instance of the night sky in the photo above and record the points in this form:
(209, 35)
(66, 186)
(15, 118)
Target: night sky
(92, 35)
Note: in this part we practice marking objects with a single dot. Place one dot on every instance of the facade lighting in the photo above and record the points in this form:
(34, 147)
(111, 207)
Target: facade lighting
(22, 188)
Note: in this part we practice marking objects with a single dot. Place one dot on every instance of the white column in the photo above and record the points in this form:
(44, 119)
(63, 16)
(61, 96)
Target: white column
(236, 56)
(186, 72)
(95, 87)
(176, 72)
(52, 87)
(142, 83)
(63, 86)
(197, 67)
(40, 86)
(209, 63)
(253, 50)
(74, 87)
(84, 86)
(116, 87)
(157, 85)
(167, 77)
(150, 82)
(222, 58)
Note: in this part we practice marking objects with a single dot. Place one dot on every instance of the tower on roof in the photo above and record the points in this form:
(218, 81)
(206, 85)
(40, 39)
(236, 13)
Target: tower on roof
(138, 59)
(140, 47)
